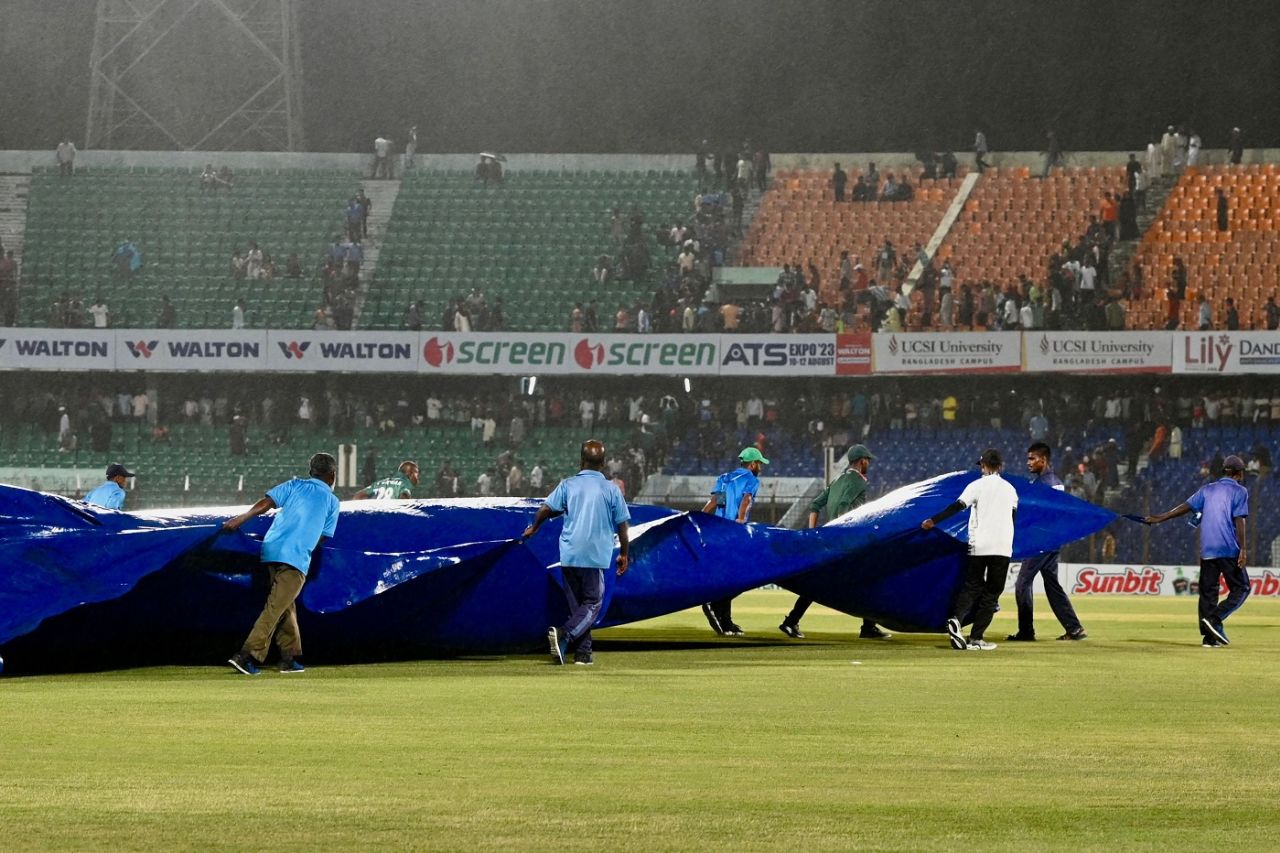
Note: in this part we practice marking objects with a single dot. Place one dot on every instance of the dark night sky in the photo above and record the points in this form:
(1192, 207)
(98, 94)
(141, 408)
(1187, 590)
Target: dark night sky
(657, 75)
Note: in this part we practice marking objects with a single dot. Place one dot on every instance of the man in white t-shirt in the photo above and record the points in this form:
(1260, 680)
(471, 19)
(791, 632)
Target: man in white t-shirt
(382, 158)
(101, 313)
(1088, 279)
(993, 505)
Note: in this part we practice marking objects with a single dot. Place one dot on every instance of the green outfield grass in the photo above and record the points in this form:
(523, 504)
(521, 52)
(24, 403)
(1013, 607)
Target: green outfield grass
(1134, 739)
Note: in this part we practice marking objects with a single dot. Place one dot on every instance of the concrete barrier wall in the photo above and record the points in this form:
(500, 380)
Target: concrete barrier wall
(25, 161)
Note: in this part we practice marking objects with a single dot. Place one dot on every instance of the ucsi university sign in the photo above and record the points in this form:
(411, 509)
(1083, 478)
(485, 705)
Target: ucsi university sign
(556, 353)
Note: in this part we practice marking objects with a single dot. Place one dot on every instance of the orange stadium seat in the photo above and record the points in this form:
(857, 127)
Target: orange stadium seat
(1242, 262)
(799, 221)
(1012, 222)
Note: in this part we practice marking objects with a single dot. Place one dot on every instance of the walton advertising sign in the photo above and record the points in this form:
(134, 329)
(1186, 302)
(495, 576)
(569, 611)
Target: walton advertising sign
(362, 352)
(190, 349)
(57, 349)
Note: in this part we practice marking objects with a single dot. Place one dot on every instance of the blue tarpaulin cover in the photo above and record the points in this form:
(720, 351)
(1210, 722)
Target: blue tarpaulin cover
(84, 587)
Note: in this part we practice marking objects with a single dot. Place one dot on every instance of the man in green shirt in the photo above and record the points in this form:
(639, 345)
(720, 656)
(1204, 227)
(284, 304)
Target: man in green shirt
(399, 485)
(846, 492)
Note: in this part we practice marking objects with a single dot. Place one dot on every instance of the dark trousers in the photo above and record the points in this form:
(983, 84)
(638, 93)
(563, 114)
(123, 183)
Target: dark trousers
(723, 609)
(1237, 589)
(1045, 565)
(802, 606)
(984, 580)
(584, 590)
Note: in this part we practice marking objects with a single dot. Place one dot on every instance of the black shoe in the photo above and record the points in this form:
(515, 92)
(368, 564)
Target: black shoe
(1213, 628)
(712, 619)
(792, 631)
(1210, 643)
(1020, 638)
(1078, 635)
(873, 632)
(733, 630)
(958, 642)
(583, 660)
(243, 664)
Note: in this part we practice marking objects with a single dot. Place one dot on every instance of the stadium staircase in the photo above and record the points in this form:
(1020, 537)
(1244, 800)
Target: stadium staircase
(14, 193)
(1243, 262)
(382, 194)
(1158, 191)
(944, 227)
(186, 237)
(749, 210)
(532, 240)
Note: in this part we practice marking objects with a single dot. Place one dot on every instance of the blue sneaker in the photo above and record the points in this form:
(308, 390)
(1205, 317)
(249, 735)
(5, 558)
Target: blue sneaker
(557, 645)
(243, 664)
(290, 666)
(1215, 629)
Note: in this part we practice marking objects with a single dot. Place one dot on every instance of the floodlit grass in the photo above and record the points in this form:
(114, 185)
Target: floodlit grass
(1135, 739)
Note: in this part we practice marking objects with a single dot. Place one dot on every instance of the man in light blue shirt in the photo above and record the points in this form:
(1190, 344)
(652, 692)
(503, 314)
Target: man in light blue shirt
(111, 494)
(1223, 506)
(594, 512)
(731, 497)
(308, 515)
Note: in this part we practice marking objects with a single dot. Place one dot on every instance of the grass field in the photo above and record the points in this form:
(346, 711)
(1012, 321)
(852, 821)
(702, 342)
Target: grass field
(1135, 739)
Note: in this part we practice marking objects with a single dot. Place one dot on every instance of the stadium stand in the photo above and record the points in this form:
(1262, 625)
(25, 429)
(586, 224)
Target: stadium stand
(531, 240)
(798, 221)
(186, 238)
(194, 467)
(905, 456)
(1242, 262)
(1014, 223)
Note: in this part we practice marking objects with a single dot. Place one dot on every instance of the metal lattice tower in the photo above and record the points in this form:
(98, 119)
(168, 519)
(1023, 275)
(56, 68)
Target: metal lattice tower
(213, 75)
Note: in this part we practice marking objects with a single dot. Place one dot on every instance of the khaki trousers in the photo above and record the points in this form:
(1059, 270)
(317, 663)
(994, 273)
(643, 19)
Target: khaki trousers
(279, 619)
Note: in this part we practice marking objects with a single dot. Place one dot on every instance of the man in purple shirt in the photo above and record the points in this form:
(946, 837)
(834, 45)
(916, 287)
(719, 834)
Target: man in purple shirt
(1221, 508)
(1045, 565)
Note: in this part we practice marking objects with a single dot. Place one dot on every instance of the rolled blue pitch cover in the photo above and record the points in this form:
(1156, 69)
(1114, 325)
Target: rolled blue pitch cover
(84, 587)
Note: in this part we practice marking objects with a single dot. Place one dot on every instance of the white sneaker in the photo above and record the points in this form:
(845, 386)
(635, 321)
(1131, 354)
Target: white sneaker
(953, 632)
(980, 646)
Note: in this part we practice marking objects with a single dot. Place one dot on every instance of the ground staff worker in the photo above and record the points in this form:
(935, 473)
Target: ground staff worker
(111, 494)
(1223, 506)
(731, 497)
(1045, 565)
(993, 505)
(308, 515)
(846, 492)
(399, 485)
(594, 511)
